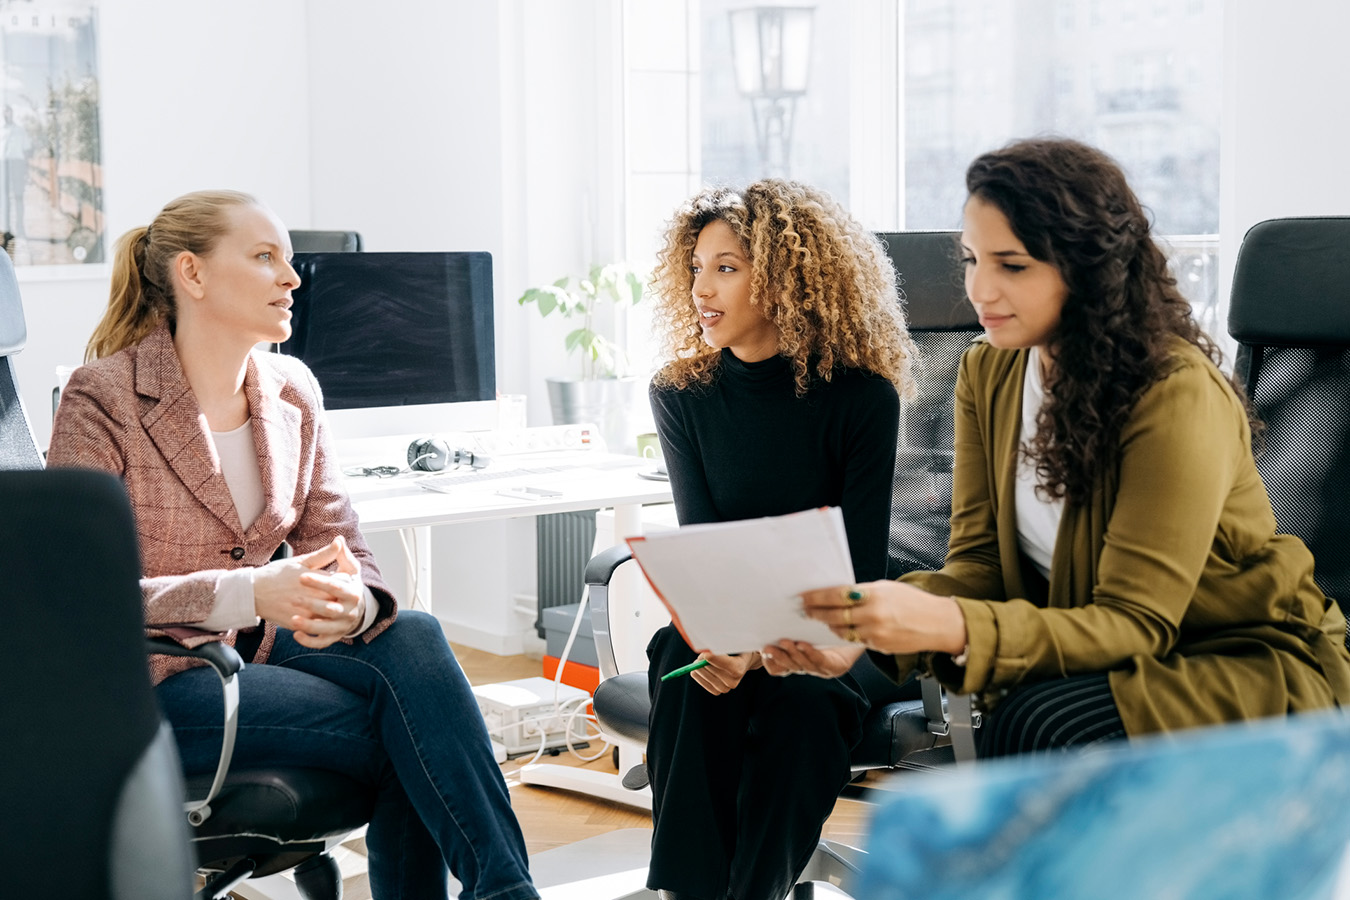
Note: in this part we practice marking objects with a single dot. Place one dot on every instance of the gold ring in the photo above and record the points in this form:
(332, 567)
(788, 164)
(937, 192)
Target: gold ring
(856, 596)
(852, 636)
(848, 617)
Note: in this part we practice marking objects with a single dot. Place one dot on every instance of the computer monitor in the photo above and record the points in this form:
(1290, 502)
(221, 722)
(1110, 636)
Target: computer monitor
(394, 339)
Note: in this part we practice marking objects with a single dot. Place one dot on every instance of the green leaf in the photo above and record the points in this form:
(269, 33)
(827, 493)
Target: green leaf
(579, 339)
(542, 297)
(602, 351)
(571, 303)
(635, 287)
(552, 298)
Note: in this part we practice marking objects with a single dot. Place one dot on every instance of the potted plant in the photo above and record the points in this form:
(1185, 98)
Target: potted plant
(605, 392)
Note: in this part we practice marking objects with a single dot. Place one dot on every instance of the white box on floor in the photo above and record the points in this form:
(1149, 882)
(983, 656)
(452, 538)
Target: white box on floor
(518, 712)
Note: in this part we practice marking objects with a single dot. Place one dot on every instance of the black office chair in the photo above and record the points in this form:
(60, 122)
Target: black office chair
(90, 785)
(904, 733)
(303, 241)
(1290, 313)
(250, 823)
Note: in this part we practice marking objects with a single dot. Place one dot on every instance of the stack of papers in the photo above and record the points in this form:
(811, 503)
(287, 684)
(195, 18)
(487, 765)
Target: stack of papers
(733, 587)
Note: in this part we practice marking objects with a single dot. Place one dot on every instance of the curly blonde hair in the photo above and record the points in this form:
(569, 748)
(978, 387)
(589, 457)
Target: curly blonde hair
(824, 281)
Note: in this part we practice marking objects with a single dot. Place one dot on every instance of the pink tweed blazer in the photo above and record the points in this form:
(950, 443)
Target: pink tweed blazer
(133, 414)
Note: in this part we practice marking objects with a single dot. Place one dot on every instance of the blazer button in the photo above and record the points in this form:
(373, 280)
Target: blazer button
(237, 553)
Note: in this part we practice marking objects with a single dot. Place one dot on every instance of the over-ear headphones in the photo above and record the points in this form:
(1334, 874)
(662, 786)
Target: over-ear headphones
(434, 455)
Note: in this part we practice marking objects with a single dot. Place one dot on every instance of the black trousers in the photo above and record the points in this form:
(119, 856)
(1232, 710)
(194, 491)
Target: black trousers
(743, 782)
(1076, 712)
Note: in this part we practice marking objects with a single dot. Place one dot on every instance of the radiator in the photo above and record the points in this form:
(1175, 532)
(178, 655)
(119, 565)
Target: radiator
(564, 541)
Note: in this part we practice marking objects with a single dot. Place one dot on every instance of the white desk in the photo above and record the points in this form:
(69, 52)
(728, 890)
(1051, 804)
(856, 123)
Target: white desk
(594, 480)
(591, 480)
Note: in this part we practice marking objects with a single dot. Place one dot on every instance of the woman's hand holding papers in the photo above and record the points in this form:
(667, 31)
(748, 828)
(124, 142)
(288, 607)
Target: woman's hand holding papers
(723, 673)
(890, 616)
(800, 658)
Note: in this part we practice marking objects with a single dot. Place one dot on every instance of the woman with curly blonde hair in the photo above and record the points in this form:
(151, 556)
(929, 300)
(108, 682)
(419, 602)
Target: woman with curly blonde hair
(787, 354)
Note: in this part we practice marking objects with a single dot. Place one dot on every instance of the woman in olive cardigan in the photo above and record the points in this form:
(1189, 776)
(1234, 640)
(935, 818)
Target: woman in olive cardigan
(1114, 567)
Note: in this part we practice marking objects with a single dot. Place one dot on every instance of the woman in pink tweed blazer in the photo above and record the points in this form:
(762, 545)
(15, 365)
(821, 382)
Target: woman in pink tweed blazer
(223, 450)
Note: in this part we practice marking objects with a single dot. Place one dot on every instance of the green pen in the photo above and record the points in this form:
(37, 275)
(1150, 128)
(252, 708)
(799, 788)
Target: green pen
(685, 670)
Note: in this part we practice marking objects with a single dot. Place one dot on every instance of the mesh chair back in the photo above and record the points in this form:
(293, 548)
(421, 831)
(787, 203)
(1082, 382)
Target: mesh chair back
(325, 241)
(18, 449)
(1290, 313)
(942, 323)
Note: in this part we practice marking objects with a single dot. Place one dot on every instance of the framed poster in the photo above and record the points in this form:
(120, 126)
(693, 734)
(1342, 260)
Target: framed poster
(51, 171)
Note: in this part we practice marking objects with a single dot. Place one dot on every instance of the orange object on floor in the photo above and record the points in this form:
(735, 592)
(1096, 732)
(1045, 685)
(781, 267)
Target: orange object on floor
(578, 675)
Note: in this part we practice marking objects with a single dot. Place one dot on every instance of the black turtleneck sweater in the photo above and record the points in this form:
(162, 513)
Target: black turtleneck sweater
(747, 446)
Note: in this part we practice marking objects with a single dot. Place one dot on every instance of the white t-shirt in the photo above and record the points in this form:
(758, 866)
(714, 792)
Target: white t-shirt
(1037, 520)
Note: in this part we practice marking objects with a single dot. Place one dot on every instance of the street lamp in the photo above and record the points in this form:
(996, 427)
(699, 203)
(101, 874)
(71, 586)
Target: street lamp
(771, 50)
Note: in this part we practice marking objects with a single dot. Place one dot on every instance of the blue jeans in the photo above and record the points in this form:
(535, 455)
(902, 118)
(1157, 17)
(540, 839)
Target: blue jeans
(397, 714)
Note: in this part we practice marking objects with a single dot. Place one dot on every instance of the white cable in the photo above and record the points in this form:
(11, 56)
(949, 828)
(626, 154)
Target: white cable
(567, 732)
(560, 711)
(410, 565)
(582, 609)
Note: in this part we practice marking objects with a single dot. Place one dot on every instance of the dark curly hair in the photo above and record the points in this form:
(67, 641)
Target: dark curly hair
(824, 281)
(1070, 206)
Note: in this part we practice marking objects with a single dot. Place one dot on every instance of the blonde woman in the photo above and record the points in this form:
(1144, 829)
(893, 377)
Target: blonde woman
(787, 351)
(224, 452)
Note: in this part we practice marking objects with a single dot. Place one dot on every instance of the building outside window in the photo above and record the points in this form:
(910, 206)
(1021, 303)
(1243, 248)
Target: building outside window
(1137, 78)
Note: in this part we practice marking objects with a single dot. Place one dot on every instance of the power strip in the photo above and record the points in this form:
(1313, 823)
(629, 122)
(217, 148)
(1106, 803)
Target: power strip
(518, 713)
(537, 440)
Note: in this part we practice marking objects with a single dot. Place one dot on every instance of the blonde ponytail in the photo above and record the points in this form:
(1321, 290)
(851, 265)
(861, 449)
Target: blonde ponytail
(142, 270)
(130, 316)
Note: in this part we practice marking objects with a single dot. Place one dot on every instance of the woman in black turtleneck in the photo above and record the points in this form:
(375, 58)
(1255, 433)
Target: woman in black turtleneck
(787, 348)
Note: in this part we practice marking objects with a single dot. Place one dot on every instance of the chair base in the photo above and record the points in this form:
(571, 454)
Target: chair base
(319, 878)
(604, 785)
(833, 863)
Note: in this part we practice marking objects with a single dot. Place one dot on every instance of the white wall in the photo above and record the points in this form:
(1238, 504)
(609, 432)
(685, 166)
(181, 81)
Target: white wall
(470, 126)
(424, 125)
(446, 125)
(1285, 121)
(209, 95)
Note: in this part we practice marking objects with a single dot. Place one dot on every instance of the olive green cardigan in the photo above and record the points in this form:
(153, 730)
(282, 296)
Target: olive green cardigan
(1171, 577)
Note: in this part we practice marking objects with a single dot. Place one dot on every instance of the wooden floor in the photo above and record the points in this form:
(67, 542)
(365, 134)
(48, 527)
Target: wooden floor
(550, 818)
(553, 818)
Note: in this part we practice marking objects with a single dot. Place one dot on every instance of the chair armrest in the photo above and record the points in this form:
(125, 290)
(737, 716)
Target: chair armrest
(601, 567)
(954, 717)
(598, 573)
(227, 664)
(221, 657)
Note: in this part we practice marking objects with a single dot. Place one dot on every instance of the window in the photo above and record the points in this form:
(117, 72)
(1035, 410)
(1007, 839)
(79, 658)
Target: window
(893, 98)
(1127, 91)
(775, 93)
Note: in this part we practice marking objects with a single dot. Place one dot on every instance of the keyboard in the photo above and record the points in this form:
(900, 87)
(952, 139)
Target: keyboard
(443, 481)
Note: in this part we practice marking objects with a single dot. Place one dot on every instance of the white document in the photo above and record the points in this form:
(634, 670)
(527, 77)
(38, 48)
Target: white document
(733, 587)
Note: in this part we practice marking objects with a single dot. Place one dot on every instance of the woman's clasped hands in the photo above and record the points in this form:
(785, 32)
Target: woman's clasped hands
(888, 616)
(320, 606)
